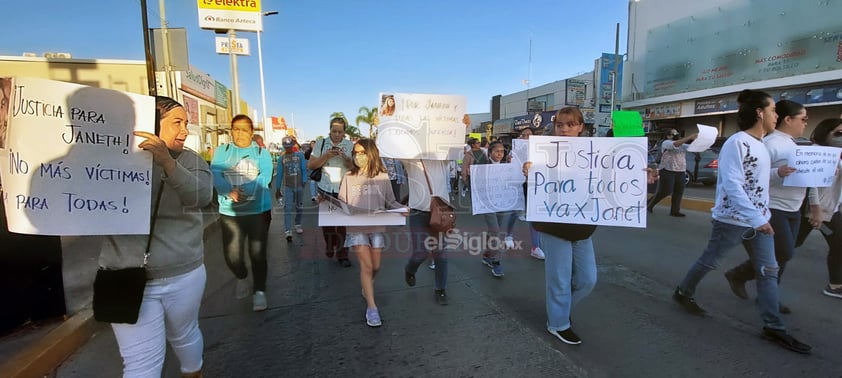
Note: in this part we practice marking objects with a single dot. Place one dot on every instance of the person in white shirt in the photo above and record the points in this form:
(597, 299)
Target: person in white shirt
(784, 201)
(741, 216)
(672, 167)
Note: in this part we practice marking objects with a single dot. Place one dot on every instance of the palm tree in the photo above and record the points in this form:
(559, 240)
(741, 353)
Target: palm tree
(351, 130)
(369, 116)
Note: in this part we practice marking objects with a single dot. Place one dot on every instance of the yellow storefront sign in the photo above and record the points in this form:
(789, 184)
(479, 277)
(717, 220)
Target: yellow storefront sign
(231, 5)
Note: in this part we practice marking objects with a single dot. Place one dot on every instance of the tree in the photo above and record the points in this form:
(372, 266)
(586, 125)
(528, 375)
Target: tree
(369, 116)
(350, 129)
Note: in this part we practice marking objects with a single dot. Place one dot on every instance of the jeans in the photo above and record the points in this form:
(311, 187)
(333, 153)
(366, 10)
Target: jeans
(786, 225)
(292, 201)
(760, 248)
(535, 236)
(169, 313)
(419, 226)
(670, 183)
(495, 222)
(570, 271)
(312, 188)
(235, 231)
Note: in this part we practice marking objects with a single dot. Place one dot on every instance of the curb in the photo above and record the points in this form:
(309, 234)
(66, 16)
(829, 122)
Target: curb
(43, 356)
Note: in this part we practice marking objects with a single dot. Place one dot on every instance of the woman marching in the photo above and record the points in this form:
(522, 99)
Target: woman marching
(366, 188)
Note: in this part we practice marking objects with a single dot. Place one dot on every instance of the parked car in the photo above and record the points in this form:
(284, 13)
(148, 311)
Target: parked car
(707, 169)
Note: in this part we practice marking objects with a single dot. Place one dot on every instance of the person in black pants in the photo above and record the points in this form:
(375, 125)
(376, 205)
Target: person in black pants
(672, 168)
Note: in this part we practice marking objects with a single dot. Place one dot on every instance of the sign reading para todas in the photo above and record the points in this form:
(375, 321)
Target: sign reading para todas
(597, 181)
(71, 165)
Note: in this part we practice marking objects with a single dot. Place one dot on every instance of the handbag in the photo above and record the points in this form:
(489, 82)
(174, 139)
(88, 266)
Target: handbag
(442, 214)
(316, 174)
(118, 293)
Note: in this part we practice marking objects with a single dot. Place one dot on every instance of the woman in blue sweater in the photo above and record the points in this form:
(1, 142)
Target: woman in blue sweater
(242, 173)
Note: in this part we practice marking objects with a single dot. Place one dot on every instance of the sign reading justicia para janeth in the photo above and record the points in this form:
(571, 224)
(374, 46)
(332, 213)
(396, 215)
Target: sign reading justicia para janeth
(230, 14)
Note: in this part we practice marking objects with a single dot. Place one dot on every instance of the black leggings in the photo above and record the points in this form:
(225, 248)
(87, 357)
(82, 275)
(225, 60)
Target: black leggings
(235, 231)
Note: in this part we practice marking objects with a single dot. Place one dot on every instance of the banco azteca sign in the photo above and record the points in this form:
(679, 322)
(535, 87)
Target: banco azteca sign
(230, 14)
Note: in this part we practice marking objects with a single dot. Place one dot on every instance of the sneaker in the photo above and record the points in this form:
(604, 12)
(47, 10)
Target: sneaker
(313, 198)
(288, 235)
(678, 215)
(243, 289)
(510, 243)
(329, 252)
(409, 278)
(522, 218)
(688, 303)
(464, 193)
(488, 261)
(298, 229)
(567, 336)
(738, 287)
(441, 297)
(497, 270)
(345, 263)
(830, 292)
(259, 301)
(785, 340)
(537, 253)
(433, 265)
(372, 317)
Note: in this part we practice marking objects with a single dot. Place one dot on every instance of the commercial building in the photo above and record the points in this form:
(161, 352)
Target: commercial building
(688, 60)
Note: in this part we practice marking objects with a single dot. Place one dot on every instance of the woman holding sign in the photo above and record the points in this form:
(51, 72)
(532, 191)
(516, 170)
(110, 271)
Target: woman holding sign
(741, 216)
(569, 265)
(176, 270)
(242, 173)
(367, 187)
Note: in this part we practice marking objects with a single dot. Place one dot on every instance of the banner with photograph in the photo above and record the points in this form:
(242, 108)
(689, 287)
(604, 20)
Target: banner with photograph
(72, 165)
(421, 126)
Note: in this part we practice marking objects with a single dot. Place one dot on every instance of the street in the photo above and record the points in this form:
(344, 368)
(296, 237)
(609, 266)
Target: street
(496, 326)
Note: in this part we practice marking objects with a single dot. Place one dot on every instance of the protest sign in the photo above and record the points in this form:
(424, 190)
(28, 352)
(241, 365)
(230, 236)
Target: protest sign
(496, 187)
(705, 139)
(520, 149)
(816, 166)
(596, 181)
(627, 123)
(72, 164)
(421, 126)
(337, 213)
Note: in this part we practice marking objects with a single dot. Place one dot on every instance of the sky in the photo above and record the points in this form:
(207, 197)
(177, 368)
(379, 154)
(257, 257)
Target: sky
(321, 57)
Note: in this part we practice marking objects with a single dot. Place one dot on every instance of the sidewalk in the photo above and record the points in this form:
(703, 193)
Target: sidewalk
(35, 351)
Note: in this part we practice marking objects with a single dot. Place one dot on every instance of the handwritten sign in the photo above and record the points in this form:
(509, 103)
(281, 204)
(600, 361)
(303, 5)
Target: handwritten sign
(520, 150)
(598, 181)
(496, 187)
(331, 214)
(627, 123)
(816, 166)
(72, 165)
(705, 139)
(422, 126)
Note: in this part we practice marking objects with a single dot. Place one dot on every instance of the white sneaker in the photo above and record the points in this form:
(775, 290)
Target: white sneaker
(259, 301)
(432, 265)
(510, 243)
(537, 253)
(288, 235)
(313, 198)
(298, 229)
(522, 218)
(243, 289)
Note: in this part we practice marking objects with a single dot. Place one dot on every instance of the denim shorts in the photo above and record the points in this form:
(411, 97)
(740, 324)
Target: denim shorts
(373, 240)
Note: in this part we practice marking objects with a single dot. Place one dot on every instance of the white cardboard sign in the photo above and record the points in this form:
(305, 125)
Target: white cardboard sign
(596, 181)
(496, 187)
(816, 166)
(336, 213)
(421, 126)
(71, 164)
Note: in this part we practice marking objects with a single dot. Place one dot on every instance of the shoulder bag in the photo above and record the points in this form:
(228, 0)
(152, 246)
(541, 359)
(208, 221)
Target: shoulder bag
(316, 174)
(442, 214)
(118, 293)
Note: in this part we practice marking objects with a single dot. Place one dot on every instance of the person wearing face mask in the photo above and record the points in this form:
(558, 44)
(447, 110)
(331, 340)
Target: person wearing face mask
(784, 201)
(366, 188)
(829, 133)
(672, 168)
(333, 155)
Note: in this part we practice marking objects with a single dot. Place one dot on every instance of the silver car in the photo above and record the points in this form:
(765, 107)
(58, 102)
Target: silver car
(702, 167)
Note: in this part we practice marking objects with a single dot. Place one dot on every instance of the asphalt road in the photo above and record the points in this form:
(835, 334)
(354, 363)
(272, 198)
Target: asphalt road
(496, 326)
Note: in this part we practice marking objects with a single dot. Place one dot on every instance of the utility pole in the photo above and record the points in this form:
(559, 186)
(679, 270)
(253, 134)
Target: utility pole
(235, 82)
(615, 69)
(147, 47)
(168, 82)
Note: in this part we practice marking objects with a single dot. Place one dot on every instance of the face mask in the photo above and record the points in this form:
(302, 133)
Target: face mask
(835, 141)
(361, 160)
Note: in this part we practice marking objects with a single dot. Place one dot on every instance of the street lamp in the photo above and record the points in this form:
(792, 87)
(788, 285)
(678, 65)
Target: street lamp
(260, 63)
